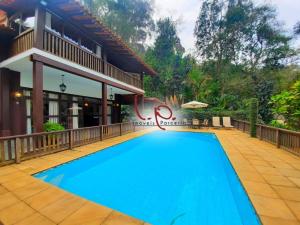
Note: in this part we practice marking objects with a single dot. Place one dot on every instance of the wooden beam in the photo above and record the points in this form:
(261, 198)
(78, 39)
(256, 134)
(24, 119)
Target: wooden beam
(69, 7)
(37, 97)
(82, 17)
(92, 25)
(104, 104)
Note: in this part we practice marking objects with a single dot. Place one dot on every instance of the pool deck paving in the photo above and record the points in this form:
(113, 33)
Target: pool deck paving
(270, 176)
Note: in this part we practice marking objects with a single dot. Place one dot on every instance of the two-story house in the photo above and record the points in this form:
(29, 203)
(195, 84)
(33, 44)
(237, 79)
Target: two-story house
(59, 63)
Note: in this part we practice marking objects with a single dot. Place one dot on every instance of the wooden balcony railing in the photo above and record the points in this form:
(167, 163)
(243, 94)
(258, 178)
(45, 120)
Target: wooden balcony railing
(120, 75)
(22, 42)
(15, 149)
(61, 47)
(282, 138)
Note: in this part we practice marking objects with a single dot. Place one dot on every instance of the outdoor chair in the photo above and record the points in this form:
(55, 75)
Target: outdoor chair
(227, 122)
(216, 122)
(205, 123)
(195, 123)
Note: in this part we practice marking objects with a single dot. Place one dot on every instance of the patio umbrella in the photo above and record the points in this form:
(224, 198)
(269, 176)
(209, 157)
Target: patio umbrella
(194, 105)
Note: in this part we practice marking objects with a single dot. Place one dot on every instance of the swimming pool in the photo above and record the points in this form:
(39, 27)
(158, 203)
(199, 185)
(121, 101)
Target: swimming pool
(163, 178)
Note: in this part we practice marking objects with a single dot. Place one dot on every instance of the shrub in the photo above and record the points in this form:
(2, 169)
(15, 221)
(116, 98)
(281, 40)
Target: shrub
(287, 104)
(51, 126)
(275, 123)
(253, 116)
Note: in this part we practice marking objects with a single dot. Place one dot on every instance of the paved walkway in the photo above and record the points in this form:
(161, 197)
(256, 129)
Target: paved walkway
(270, 176)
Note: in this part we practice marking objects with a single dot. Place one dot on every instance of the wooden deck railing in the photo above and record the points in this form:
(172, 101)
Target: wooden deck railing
(61, 47)
(22, 43)
(120, 75)
(282, 138)
(15, 149)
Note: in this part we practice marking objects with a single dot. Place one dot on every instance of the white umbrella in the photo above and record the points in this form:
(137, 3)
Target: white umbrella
(194, 105)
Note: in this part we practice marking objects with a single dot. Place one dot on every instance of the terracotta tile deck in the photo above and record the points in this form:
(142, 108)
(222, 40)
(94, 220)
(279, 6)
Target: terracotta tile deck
(270, 176)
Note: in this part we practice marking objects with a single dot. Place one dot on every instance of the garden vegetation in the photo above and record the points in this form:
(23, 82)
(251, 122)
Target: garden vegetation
(242, 51)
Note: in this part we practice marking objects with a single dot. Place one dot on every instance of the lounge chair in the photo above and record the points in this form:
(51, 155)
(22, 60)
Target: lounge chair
(216, 122)
(227, 122)
(205, 123)
(195, 123)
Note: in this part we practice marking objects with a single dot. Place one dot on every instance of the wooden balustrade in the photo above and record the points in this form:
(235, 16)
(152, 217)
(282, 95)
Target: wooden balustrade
(120, 75)
(83, 136)
(15, 149)
(110, 131)
(282, 138)
(22, 42)
(127, 127)
(61, 47)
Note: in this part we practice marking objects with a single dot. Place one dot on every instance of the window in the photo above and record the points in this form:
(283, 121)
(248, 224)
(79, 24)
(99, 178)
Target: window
(53, 108)
(28, 103)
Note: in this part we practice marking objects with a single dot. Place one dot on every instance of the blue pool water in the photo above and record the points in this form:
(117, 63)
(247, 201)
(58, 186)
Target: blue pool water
(164, 178)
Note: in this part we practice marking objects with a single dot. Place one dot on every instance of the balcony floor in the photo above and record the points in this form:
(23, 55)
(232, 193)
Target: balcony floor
(270, 176)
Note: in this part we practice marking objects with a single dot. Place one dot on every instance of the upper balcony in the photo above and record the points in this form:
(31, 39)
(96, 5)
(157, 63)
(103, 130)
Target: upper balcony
(68, 30)
(67, 49)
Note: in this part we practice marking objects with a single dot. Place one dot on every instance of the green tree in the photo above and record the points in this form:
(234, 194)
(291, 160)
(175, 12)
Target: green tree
(131, 19)
(287, 104)
(264, 91)
(253, 116)
(239, 44)
(198, 82)
(166, 57)
(297, 28)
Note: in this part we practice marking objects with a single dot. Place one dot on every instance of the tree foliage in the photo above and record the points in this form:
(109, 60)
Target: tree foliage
(239, 44)
(253, 116)
(297, 28)
(131, 19)
(287, 104)
(166, 57)
(242, 52)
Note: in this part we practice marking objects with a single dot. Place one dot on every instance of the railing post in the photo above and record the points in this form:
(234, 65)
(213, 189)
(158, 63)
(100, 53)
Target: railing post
(244, 126)
(260, 132)
(71, 139)
(101, 133)
(18, 150)
(120, 129)
(278, 138)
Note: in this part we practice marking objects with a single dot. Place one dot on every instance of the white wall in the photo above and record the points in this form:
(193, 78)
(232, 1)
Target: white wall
(75, 85)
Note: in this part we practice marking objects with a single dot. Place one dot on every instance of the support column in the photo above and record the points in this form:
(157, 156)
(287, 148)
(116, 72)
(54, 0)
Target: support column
(4, 103)
(104, 104)
(12, 108)
(141, 103)
(40, 18)
(37, 97)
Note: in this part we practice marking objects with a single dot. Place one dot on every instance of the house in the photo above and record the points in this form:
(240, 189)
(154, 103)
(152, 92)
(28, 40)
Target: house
(59, 63)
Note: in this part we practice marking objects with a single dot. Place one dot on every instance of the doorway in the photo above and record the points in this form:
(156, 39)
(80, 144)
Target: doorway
(90, 112)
